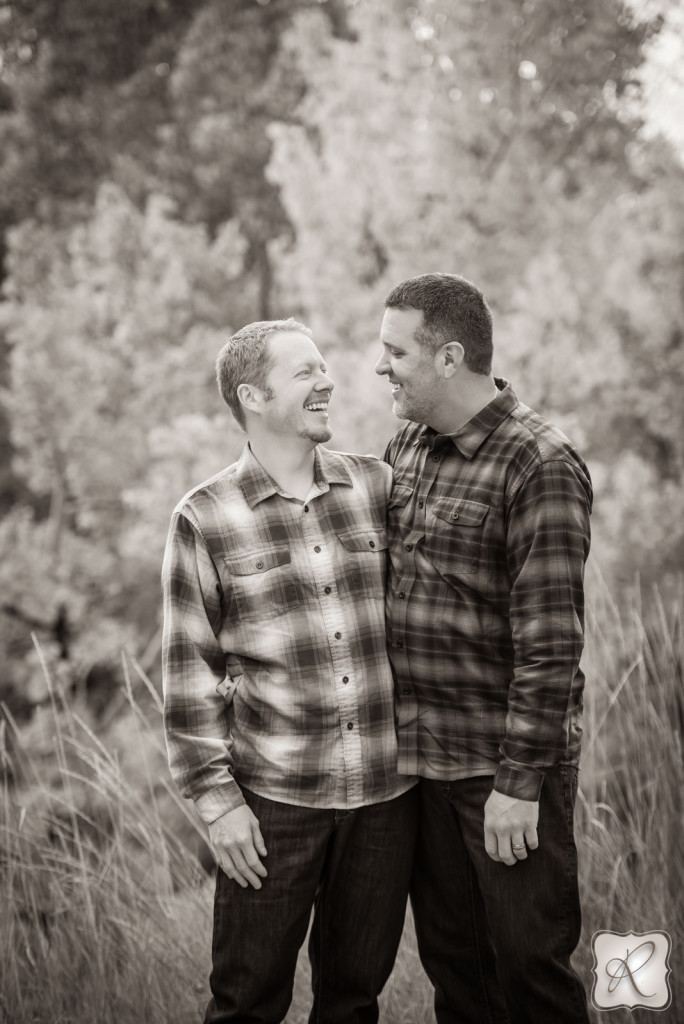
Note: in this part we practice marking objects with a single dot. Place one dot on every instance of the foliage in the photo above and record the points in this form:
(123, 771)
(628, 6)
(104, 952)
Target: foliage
(171, 171)
(113, 327)
(96, 885)
(504, 142)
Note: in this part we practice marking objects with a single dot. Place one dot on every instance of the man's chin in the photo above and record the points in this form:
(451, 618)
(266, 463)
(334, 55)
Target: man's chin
(399, 410)
(405, 412)
(319, 436)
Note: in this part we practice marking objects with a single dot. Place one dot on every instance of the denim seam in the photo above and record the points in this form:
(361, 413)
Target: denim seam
(472, 879)
(318, 992)
(566, 789)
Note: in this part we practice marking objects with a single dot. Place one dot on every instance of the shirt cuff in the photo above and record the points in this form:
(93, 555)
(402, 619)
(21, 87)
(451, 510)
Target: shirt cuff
(518, 781)
(217, 802)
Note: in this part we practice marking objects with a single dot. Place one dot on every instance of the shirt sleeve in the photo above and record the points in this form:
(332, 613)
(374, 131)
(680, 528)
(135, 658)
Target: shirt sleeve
(547, 546)
(197, 691)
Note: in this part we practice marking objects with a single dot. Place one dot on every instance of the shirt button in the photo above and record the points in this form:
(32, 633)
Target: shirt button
(317, 549)
(328, 590)
(435, 458)
(454, 515)
(402, 595)
(400, 643)
(306, 508)
(420, 504)
(409, 547)
(259, 565)
(406, 691)
(371, 543)
(350, 725)
(338, 636)
(345, 679)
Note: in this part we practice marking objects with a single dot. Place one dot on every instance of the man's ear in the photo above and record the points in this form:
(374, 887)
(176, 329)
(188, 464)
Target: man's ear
(449, 358)
(250, 397)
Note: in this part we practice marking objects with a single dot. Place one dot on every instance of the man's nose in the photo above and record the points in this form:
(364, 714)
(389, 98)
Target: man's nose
(326, 383)
(382, 366)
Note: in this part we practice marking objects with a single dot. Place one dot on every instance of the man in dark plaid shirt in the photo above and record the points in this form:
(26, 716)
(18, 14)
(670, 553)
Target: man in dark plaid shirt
(489, 532)
(278, 695)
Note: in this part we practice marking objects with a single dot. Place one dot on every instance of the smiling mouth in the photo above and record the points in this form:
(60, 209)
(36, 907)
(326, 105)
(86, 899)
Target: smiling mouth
(317, 407)
(395, 387)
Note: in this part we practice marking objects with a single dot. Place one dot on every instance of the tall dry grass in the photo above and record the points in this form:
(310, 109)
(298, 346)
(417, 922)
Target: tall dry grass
(105, 913)
(103, 917)
(630, 814)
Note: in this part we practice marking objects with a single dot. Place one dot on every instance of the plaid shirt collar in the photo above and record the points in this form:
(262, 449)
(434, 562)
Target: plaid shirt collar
(257, 485)
(475, 432)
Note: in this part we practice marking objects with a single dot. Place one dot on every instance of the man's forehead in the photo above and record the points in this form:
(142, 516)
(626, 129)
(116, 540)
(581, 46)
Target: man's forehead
(288, 347)
(404, 322)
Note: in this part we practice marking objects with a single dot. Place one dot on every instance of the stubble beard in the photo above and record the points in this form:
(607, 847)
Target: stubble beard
(317, 435)
(407, 410)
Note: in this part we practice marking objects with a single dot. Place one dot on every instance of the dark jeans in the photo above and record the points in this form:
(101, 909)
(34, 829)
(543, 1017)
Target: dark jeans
(354, 867)
(496, 940)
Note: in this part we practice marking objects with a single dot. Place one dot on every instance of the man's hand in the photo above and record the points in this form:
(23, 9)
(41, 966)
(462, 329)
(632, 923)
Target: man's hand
(237, 844)
(509, 824)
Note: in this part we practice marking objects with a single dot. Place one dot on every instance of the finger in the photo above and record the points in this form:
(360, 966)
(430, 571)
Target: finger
(531, 837)
(505, 852)
(518, 847)
(492, 845)
(258, 839)
(228, 867)
(253, 862)
(245, 871)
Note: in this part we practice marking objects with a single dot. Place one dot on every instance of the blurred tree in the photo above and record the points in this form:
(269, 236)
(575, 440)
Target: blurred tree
(453, 135)
(502, 141)
(83, 85)
(254, 158)
(113, 328)
(159, 96)
(227, 87)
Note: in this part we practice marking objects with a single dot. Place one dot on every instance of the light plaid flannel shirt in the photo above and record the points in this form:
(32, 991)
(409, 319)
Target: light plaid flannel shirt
(275, 667)
(489, 533)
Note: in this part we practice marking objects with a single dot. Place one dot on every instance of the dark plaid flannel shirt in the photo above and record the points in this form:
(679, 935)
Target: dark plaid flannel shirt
(489, 532)
(275, 668)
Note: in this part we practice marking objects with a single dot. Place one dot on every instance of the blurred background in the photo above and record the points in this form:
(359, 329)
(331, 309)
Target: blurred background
(171, 170)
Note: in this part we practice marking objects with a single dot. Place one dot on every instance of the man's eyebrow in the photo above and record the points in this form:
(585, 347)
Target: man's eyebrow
(310, 364)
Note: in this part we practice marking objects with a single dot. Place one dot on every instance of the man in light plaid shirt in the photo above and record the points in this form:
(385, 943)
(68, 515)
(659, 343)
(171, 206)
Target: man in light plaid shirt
(489, 532)
(278, 695)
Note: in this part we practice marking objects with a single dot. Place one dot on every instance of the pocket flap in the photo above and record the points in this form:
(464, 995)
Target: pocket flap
(460, 512)
(364, 540)
(259, 561)
(399, 496)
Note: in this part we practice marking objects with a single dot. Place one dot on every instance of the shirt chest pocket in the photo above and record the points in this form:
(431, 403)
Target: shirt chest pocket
(456, 535)
(362, 561)
(398, 500)
(262, 584)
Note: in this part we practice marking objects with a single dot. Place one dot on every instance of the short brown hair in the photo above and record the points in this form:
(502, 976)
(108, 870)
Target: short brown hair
(453, 310)
(246, 359)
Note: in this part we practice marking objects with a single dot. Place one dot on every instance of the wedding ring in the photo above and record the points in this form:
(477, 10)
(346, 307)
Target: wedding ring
(514, 847)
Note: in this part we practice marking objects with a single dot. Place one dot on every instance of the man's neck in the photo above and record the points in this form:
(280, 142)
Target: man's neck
(291, 467)
(464, 403)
